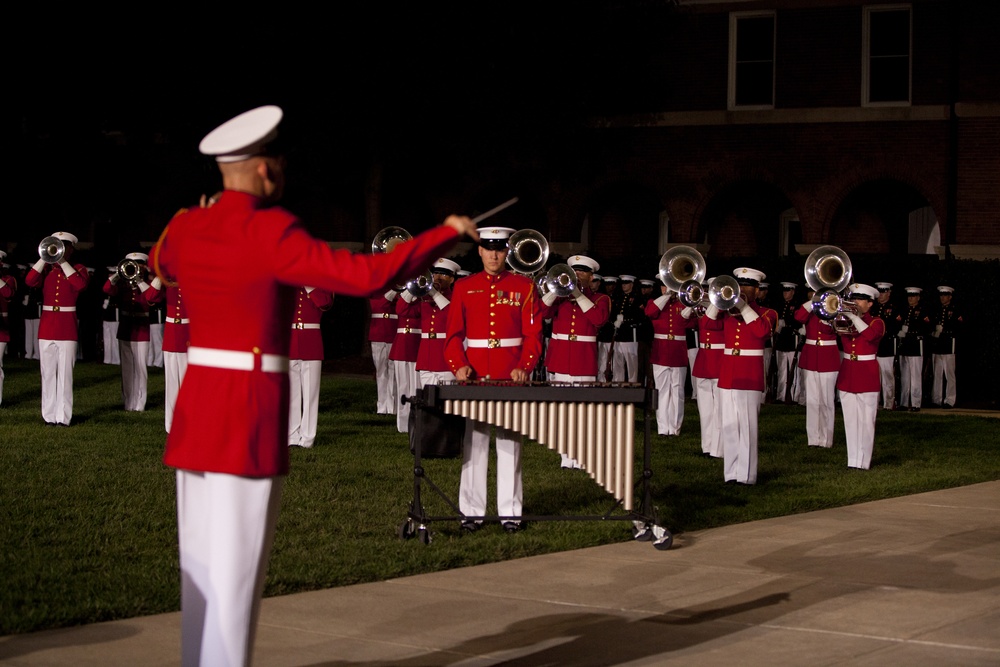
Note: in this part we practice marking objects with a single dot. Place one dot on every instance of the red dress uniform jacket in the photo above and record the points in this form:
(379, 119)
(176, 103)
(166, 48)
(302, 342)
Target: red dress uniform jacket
(822, 355)
(382, 328)
(566, 352)
(490, 312)
(133, 308)
(708, 360)
(58, 293)
(434, 329)
(406, 343)
(745, 371)
(859, 372)
(669, 333)
(7, 292)
(238, 263)
(306, 343)
(175, 326)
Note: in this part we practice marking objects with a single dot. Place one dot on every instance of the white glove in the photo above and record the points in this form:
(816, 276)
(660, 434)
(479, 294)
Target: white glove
(113, 278)
(619, 320)
(406, 296)
(937, 330)
(549, 298)
(38, 266)
(781, 325)
(106, 302)
(661, 301)
(25, 301)
(309, 289)
(3, 283)
(712, 312)
(808, 305)
(440, 300)
(687, 312)
(391, 295)
(802, 331)
(67, 268)
(859, 323)
(748, 313)
(157, 283)
(903, 331)
(584, 302)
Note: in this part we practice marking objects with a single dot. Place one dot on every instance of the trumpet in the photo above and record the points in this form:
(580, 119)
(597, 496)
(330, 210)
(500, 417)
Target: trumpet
(129, 270)
(529, 251)
(421, 285)
(828, 272)
(560, 279)
(724, 292)
(51, 250)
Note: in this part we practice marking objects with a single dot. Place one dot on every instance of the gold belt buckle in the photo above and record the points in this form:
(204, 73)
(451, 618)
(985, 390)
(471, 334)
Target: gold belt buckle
(572, 337)
(493, 343)
(670, 336)
(385, 316)
(854, 357)
(736, 352)
(406, 330)
(706, 346)
(55, 309)
(299, 326)
(432, 335)
(177, 320)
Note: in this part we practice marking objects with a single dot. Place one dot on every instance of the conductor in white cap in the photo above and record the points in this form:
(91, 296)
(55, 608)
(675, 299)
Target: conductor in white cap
(228, 439)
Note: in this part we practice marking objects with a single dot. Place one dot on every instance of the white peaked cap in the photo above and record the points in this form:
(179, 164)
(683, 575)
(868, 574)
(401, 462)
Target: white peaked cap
(244, 136)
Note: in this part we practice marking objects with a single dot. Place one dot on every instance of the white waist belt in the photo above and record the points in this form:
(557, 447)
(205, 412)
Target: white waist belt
(820, 343)
(305, 325)
(573, 337)
(493, 342)
(712, 346)
(408, 330)
(57, 309)
(860, 357)
(432, 335)
(178, 320)
(236, 361)
(385, 316)
(672, 337)
(738, 352)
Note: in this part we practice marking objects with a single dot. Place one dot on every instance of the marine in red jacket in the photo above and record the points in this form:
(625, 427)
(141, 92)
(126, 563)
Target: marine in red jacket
(819, 363)
(668, 355)
(381, 331)
(61, 284)
(305, 364)
(576, 319)
(239, 263)
(858, 380)
(741, 376)
(496, 314)
(175, 345)
(403, 354)
(705, 381)
(431, 366)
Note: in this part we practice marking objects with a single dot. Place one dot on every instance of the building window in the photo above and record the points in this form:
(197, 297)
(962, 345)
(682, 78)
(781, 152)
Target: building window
(886, 58)
(751, 60)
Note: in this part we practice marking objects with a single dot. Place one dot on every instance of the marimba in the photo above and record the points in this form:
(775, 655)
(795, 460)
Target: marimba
(592, 423)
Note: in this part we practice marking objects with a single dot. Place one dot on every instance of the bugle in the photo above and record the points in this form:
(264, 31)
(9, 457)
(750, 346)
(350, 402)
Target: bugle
(129, 270)
(560, 279)
(51, 250)
(724, 292)
(421, 285)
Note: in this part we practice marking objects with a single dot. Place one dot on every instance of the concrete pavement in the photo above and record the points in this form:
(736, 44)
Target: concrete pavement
(907, 581)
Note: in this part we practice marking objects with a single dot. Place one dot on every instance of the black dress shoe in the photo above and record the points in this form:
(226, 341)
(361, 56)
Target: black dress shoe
(914, 409)
(470, 526)
(511, 526)
(947, 406)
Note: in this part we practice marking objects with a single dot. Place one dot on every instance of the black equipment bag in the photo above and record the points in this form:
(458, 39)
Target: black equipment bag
(440, 435)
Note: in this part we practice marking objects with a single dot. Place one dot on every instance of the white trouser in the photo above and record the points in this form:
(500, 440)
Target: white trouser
(784, 361)
(911, 389)
(406, 385)
(31, 348)
(110, 330)
(425, 378)
(385, 380)
(475, 464)
(887, 375)
(155, 356)
(225, 529)
(174, 366)
(821, 393)
(303, 401)
(860, 411)
(134, 374)
(944, 374)
(626, 362)
(569, 461)
(602, 359)
(3, 349)
(669, 382)
(56, 361)
(710, 415)
(740, 408)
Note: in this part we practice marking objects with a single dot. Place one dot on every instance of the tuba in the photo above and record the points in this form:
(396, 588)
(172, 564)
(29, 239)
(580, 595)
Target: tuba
(129, 270)
(388, 238)
(682, 269)
(528, 252)
(828, 272)
(724, 292)
(51, 250)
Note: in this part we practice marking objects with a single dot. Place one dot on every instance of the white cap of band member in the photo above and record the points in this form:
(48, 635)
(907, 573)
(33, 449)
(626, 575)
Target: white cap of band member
(860, 289)
(461, 273)
(66, 236)
(626, 278)
(610, 279)
(445, 266)
(945, 289)
(112, 269)
(597, 276)
(137, 257)
(788, 286)
(583, 263)
(494, 238)
(764, 285)
(244, 136)
(913, 291)
(747, 276)
(883, 287)
(646, 282)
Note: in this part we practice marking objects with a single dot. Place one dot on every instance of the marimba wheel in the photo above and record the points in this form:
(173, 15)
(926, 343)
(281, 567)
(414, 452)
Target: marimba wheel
(424, 535)
(662, 538)
(642, 532)
(406, 530)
